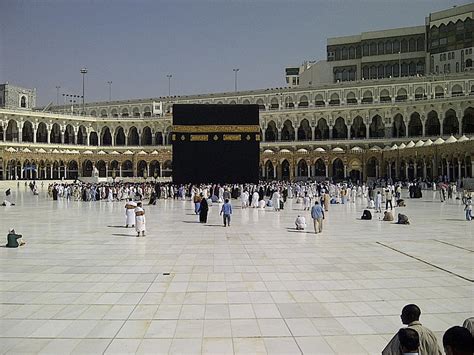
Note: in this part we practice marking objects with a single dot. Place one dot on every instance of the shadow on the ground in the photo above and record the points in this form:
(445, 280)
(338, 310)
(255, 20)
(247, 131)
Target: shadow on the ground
(124, 235)
(122, 226)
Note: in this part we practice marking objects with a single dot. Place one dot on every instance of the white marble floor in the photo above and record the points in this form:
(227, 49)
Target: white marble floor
(84, 284)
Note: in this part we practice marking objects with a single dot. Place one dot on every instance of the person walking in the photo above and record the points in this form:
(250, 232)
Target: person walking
(388, 198)
(317, 214)
(140, 222)
(203, 210)
(468, 209)
(226, 210)
(378, 202)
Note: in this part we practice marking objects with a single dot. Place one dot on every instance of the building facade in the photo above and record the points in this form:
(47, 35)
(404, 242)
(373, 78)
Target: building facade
(399, 127)
(442, 45)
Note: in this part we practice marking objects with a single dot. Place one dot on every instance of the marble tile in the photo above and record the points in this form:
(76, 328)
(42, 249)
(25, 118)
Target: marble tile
(257, 288)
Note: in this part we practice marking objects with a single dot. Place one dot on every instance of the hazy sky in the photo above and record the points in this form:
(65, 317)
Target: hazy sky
(136, 43)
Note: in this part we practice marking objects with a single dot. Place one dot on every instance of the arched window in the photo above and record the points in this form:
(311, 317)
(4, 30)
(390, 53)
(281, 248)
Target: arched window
(373, 48)
(351, 53)
(381, 48)
(412, 45)
(23, 101)
(388, 47)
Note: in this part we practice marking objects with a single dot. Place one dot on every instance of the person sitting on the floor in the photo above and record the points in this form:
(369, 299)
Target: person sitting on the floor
(401, 203)
(14, 240)
(387, 216)
(402, 219)
(366, 215)
(261, 204)
(300, 223)
(371, 204)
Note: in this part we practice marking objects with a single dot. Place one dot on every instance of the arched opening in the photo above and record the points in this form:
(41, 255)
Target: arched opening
(27, 132)
(155, 169)
(136, 112)
(146, 136)
(169, 137)
(358, 128)
(93, 113)
(401, 95)
(302, 168)
(415, 127)
(377, 128)
(147, 111)
(167, 168)
(351, 98)
(261, 104)
(439, 92)
(125, 112)
(398, 128)
(304, 131)
(287, 132)
(271, 132)
(133, 139)
(337, 170)
(159, 138)
(303, 101)
(81, 136)
(456, 90)
(285, 170)
(468, 121)
(334, 101)
(420, 93)
(319, 101)
(86, 168)
(274, 104)
(269, 170)
(55, 135)
(101, 166)
(23, 102)
(114, 112)
(432, 125)
(114, 168)
(319, 168)
(93, 139)
(106, 137)
(69, 137)
(289, 102)
(72, 170)
(385, 96)
(103, 113)
(127, 168)
(322, 129)
(367, 97)
(371, 167)
(119, 136)
(450, 123)
(42, 133)
(339, 131)
(142, 169)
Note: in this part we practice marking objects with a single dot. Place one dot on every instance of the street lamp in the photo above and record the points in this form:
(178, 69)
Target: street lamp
(57, 94)
(235, 70)
(110, 90)
(83, 72)
(169, 76)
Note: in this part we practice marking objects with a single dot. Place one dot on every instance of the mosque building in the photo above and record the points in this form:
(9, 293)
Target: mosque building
(395, 103)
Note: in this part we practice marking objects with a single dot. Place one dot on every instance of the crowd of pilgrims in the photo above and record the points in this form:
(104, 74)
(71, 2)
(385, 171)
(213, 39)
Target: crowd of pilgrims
(274, 193)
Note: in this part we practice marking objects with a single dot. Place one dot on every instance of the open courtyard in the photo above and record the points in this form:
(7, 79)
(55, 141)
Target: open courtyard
(85, 284)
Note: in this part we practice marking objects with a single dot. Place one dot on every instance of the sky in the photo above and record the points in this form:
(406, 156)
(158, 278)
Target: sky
(137, 43)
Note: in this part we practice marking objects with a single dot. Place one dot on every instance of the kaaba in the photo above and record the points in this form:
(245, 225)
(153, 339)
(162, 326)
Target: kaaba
(215, 143)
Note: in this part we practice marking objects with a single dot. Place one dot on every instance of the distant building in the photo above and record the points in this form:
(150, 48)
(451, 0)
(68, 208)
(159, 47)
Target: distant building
(443, 45)
(16, 97)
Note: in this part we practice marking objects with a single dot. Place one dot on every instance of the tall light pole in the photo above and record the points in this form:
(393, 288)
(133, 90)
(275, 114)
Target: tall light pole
(110, 90)
(83, 72)
(235, 70)
(169, 76)
(57, 94)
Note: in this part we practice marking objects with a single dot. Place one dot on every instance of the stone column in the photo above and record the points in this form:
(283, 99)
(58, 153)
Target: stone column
(472, 168)
(20, 135)
(106, 170)
(367, 130)
(65, 171)
(447, 170)
(345, 171)
(414, 170)
(120, 170)
(279, 134)
(406, 170)
(309, 169)
(262, 138)
(34, 134)
(51, 171)
(274, 172)
(459, 170)
(327, 169)
(441, 120)
(62, 137)
(424, 169)
(349, 131)
(313, 133)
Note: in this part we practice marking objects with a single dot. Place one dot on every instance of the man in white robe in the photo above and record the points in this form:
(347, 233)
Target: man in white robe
(244, 198)
(130, 213)
(276, 200)
(300, 223)
(140, 222)
(255, 199)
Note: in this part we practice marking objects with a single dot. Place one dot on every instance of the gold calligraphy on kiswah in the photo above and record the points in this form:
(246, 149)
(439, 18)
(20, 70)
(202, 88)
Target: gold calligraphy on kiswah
(232, 137)
(199, 137)
(216, 129)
